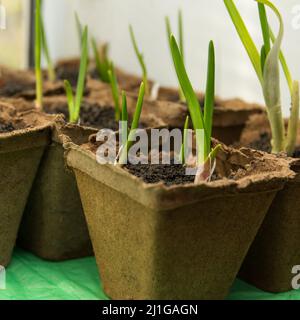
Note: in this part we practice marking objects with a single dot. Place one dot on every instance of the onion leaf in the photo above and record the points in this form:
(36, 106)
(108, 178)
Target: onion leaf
(140, 57)
(245, 37)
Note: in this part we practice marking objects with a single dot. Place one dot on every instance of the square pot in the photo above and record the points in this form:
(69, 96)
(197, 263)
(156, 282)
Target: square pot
(180, 242)
(276, 249)
(20, 153)
(54, 226)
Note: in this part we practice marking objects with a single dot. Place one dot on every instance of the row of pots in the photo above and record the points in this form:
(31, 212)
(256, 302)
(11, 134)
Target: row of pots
(151, 241)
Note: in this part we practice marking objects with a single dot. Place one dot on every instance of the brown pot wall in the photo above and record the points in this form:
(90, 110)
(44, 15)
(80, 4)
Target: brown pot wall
(276, 249)
(54, 227)
(184, 242)
(20, 155)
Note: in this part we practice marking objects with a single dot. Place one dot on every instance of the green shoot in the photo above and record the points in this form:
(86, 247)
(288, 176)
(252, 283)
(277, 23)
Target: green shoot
(185, 140)
(135, 124)
(74, 103)
(181, 43)
(267, 68)
(284, 65)
(140, 57)
(265, 28)
(38, 54)
(124, 123)
(202, 124)
(245, 38)
(115, 90)
(79, 28)
(180, 31)
(102, 61)
(51, 70)
(210, 93)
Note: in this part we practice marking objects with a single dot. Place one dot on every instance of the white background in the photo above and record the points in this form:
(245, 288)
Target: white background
(203, 20)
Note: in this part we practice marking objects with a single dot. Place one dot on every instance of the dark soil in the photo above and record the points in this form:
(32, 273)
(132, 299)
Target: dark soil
(173, 174)
(264, 144)
(90, 115)
(11, 89)
(297, 153)
(67, 73)
(6, 127)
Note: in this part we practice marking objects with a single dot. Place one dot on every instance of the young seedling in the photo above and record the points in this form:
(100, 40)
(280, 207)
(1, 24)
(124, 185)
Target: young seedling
(79, 28)
(202, 123)
(266, 66)
(74, 103)
(184, 146)
(134, 126)
(124, 123)
(102, 61)
(51, 70)
(140, 57)
(181, 43)
(37, 53)
(115, 91)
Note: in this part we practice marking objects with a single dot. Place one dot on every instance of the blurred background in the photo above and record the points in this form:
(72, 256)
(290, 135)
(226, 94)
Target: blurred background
(108, 21)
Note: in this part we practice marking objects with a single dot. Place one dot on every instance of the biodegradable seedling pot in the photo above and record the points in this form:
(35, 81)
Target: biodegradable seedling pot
(180, 242)
(53, 226)
(23, 139)
(276, 249)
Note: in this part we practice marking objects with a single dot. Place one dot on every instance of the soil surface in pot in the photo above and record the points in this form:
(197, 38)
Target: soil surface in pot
(264, 144)
(6, 127)
(10, 89)
(173, 174)
(91, 115)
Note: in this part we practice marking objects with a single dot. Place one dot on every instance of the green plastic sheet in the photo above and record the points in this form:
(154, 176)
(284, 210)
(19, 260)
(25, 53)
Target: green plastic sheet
(30, 278)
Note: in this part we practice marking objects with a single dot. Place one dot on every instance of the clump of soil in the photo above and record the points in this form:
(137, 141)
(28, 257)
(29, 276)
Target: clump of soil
(91, 115)
(169, 174)
(6, 127)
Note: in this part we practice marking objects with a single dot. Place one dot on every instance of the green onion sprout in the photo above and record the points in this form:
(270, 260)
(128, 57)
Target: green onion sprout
(74, 103)
(38, 50)
(115, 91)
(79, 28)
(102, 61)
(201, 123)
(181, 43)
(134, 126)
(51, 70)
(140, 57)
(266, 66)
(184, 140)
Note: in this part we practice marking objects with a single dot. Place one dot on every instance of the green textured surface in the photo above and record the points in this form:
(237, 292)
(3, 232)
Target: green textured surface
(31, 278)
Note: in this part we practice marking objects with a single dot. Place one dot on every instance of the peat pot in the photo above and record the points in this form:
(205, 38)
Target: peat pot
(23, 139)
(53, 226)
(276, 249)
(186, 241)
